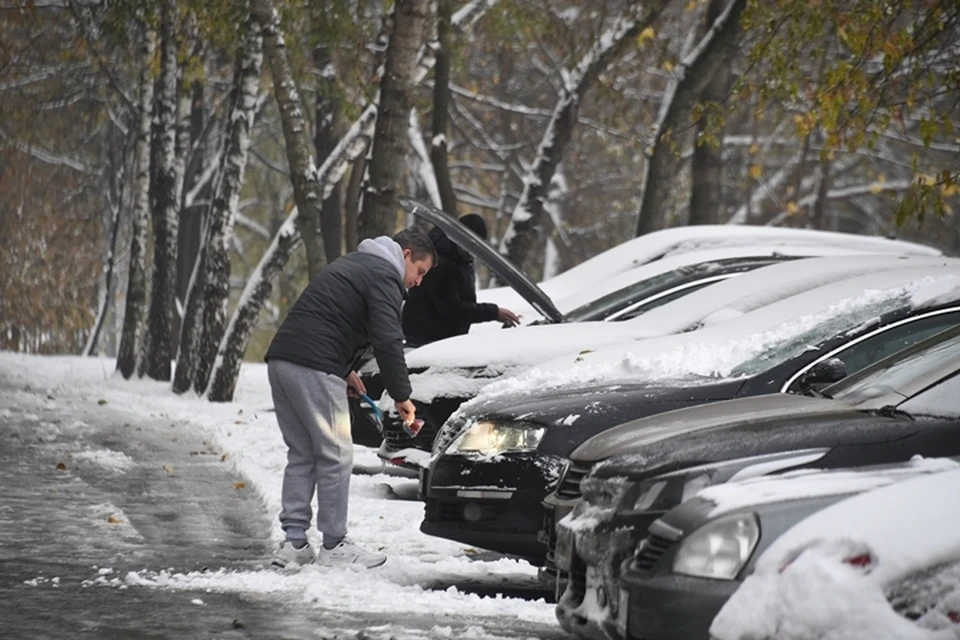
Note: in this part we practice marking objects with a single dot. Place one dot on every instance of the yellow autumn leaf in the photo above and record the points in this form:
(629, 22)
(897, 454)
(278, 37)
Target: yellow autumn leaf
(754, 149)
(646, 35)
(240, 484)
(691, 6)
(113, 520)
(668, 65)
(792, 208)
(168, 468)
(756, 171)
(876, 187)
(947, 209)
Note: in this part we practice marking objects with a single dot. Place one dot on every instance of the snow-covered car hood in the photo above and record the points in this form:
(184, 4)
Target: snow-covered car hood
(847, 554)
(640, 433)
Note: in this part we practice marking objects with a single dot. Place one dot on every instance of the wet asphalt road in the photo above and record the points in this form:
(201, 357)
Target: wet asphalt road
(67, 521)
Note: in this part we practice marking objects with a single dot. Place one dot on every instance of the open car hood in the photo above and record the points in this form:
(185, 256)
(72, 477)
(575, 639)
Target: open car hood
(483, 252)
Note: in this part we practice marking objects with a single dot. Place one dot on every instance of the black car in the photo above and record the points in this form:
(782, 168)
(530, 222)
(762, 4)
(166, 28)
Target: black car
(494, 464)
(697, 554)
(902, 406)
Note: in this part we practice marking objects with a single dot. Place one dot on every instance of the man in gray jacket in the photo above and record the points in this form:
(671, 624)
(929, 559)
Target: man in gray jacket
(352, 304)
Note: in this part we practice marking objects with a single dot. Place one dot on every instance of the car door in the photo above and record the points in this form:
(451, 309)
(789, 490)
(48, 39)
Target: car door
(870, 347)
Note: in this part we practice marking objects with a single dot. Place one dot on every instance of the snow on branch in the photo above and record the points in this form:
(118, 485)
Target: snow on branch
(45, 156)
(424, 166)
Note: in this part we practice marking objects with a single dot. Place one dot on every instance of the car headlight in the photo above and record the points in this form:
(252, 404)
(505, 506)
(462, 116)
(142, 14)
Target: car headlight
(720, 548)
(491, 438)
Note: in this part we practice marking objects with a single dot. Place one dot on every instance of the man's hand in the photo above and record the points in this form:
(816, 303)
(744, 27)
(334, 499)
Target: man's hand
(407, 411)
(355, 386)
(507, 317)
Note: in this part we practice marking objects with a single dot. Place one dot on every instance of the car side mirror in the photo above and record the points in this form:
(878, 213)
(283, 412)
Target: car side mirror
(824, 372)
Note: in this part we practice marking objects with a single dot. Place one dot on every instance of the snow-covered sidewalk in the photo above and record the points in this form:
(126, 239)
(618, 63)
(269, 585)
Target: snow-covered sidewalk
(246, 437)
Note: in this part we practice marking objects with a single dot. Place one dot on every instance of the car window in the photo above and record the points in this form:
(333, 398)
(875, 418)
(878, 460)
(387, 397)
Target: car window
(941, 400)
(899, 371)
(669, 297)
(887, 342)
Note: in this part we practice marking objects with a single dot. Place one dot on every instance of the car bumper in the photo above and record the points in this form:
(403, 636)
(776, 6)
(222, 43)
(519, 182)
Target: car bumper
(588, 603)
(489, 503)
(665, 607)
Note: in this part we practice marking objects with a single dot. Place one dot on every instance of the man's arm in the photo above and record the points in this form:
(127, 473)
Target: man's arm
(386, 335)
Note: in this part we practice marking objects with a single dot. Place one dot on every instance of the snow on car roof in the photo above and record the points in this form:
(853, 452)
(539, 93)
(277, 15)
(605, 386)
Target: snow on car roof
(704, 257)
(715, 351)
(811, 483)
(531, 345)
(680, 240)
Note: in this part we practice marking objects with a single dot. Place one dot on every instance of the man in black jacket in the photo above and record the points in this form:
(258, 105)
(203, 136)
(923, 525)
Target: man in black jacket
(445, 304)
(353, 303)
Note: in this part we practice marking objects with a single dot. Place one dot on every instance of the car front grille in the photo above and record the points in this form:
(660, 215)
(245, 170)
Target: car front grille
(395, 438)
(569, 487)
(649, 553)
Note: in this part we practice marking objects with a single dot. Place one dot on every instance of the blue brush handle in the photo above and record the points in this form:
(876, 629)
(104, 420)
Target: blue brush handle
(373, 405)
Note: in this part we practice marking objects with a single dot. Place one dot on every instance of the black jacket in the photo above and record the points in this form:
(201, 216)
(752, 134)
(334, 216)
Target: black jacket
(353, 303)
(445, 304)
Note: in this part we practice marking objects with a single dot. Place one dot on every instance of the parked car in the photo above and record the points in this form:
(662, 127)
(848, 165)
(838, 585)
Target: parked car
(449, 372)
(498, 457)
(881, 564)
(902, 406)
(635, 261)
(698, 554)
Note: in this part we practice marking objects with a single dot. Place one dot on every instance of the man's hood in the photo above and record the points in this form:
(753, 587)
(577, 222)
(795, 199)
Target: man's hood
(384, 247)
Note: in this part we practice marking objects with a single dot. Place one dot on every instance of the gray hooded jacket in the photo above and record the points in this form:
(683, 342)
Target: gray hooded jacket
(352, 304)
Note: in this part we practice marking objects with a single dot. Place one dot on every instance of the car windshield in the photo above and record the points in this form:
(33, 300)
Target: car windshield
(941, 352)
(831, 328)
(615, 301)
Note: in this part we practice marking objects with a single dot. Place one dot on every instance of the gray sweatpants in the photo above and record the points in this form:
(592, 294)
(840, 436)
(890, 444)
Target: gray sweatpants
(314, 420)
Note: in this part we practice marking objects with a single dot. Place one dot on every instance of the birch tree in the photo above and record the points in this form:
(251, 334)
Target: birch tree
(136, 271)
(164, 205)
(525, 221)
(689, 79)
(441, 106)
(205, 319)
(260, 284)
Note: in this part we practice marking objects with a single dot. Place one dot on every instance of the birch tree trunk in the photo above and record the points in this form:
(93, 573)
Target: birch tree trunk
(244, 320)
(303, 174)
(691, 76)
(223, 213)
(260, 285)
(113, 189)
(525, 225)
(136, 278)
(441, 106)
(164, 206)
(378, 216)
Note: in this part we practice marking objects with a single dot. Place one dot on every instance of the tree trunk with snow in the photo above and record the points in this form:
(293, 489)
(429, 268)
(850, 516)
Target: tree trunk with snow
(260, 285)
(706, 166)
(223, 212)
(524, 225)
(136, 278)
(441, 106)
(303, 174)
(327, 115)
(378, 216)
(113, 189)
(690, 78)
(164, 207)
(244, 320)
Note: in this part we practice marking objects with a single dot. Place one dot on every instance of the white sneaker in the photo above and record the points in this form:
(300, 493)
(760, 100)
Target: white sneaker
(348, 553)
(288, 556)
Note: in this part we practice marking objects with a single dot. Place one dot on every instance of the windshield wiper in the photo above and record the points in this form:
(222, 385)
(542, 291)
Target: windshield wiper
(890, 411)
(816, 393)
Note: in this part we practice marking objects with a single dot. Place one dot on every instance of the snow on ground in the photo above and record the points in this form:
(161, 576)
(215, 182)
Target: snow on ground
(246, 431)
